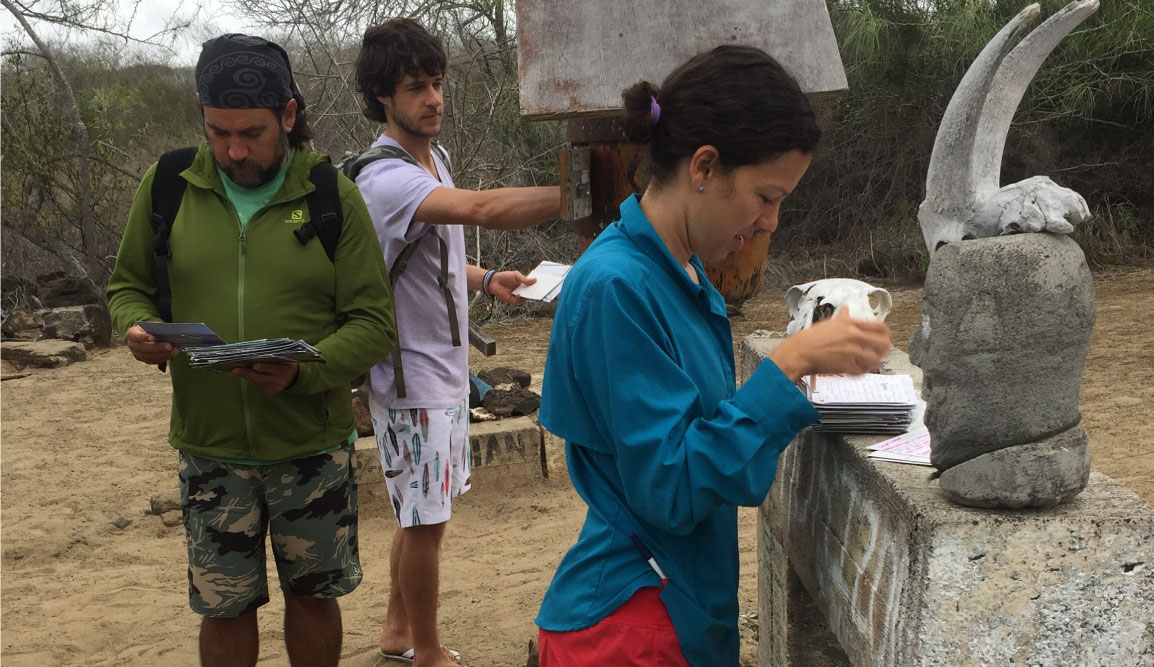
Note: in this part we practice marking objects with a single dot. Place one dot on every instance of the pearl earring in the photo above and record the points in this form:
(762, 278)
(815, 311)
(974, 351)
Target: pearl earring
(701, 188)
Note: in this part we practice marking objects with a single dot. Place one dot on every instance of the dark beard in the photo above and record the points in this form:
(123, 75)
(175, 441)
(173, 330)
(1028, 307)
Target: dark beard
(251, 174)
(403, 123)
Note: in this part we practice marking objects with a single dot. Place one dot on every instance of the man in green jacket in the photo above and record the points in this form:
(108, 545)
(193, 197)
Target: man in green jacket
(266, 448)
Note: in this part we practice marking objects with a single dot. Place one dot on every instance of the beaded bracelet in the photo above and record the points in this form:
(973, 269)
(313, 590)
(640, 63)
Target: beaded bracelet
(485, 282)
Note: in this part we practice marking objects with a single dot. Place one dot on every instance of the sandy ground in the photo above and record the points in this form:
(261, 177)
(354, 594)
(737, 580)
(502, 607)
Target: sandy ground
(84, 445)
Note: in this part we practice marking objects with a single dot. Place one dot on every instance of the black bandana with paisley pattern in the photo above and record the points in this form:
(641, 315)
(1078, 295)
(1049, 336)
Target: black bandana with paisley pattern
(243, 72)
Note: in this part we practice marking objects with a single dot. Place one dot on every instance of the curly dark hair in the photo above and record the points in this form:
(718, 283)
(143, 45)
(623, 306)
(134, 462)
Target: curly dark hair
(737, 99)
(390, 51)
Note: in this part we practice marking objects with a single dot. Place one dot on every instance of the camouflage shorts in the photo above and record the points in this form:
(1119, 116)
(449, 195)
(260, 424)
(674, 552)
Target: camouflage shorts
(310, 507)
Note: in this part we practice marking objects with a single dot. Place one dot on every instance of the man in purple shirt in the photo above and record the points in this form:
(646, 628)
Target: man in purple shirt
(419, 401)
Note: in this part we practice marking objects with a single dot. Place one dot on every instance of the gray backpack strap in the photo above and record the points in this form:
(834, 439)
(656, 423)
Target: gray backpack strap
(353, 163)
(443, 282)
(399, 264)
(444, 155)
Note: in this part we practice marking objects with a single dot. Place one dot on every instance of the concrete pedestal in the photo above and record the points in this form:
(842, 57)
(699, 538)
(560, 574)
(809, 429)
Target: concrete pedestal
(904, 577)
(506, 453)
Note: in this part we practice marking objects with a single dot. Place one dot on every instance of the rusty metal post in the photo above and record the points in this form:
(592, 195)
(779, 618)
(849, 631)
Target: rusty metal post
(614, 170)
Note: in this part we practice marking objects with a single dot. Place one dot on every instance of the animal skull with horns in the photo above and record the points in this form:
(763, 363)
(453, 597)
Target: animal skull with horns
(820, 299)
(963, 197)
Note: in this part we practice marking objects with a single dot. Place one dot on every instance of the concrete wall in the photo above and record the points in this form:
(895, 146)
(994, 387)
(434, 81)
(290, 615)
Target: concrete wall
(903, 577)
(504, 453)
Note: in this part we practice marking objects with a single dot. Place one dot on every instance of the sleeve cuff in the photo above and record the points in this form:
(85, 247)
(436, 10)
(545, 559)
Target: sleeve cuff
(300, 383)
(768, 395)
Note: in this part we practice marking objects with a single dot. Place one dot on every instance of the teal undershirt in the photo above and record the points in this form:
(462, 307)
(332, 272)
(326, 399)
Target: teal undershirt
(247, 201)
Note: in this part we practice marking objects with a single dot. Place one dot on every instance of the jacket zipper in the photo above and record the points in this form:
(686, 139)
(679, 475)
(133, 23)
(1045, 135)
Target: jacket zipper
(244, 388)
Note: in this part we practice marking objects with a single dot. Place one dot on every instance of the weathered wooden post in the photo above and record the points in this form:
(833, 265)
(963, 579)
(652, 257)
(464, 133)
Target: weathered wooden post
(576, 57)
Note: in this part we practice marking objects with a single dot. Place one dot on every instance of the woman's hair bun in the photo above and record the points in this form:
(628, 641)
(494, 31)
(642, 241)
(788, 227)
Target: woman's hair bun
(638, 122)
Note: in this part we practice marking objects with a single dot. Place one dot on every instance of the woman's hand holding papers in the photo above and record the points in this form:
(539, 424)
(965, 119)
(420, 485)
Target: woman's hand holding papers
(837, 345)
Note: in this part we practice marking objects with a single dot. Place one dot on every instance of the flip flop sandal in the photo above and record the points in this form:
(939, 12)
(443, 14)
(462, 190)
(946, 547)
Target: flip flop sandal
(407, 656)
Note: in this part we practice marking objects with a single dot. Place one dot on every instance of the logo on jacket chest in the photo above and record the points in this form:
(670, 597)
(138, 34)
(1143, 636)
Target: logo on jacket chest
(296, 217)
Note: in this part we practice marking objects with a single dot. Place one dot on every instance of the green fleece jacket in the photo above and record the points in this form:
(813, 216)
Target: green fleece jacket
(260, 282)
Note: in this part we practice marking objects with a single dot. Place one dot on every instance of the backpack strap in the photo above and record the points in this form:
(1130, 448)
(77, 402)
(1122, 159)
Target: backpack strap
(326, 218)
(352, 165)
(167, 193)
(395, 272)
(444, 155)
(399, 265)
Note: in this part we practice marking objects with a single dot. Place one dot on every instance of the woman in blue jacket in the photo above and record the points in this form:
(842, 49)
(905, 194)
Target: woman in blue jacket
(640, 380)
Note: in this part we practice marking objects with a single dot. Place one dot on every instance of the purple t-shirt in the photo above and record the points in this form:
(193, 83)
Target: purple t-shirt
(436, 372)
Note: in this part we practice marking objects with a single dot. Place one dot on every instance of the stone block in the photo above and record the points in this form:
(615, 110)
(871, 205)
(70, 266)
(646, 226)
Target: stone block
(58, 289)
(554, 452)
(1005, 329)
(362, 415)
(43, 354)
(507, 452)
(368, 462)
(89, 324)
(904, 577)
(22, 324)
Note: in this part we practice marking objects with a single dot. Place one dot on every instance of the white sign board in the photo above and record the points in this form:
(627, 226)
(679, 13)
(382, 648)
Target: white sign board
(575, 58)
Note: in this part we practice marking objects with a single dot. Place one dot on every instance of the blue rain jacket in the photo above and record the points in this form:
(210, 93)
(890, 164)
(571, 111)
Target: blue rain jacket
(639, 381)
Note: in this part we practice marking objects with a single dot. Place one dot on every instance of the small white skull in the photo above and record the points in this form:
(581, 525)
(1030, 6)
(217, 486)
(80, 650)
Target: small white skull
(819, 300)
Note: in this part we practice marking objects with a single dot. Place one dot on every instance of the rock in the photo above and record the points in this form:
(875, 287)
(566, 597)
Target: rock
(27, 335)
(496, 376)
(361, 413)
(160, 504)
(42, 354)
(57, 289)
(481, 415)
(172, 519)
(22, 324)
(1005, 328)
(122, 522)
(515, 402)
(1041, 474)
(89, 325)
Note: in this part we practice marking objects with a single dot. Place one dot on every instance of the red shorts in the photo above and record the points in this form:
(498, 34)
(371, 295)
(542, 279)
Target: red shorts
(640, 633)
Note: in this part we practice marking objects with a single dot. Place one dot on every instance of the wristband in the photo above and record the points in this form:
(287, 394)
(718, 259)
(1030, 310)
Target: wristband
(485, 282)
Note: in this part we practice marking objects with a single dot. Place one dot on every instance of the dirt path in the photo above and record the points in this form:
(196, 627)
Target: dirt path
(83, 446)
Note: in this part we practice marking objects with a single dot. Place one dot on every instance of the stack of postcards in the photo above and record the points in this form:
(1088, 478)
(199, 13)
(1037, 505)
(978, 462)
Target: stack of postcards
(550, 276)
(868, 403)
(221, 358)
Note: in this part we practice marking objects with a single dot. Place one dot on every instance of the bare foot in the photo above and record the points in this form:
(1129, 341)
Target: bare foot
(440, 659)
(394, 642)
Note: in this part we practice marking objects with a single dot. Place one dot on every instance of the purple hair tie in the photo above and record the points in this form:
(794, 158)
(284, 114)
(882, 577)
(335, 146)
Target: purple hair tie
(654, 111)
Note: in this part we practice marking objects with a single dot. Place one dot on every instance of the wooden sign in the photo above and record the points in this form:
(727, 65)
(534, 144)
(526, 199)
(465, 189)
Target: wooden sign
(576, 57)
